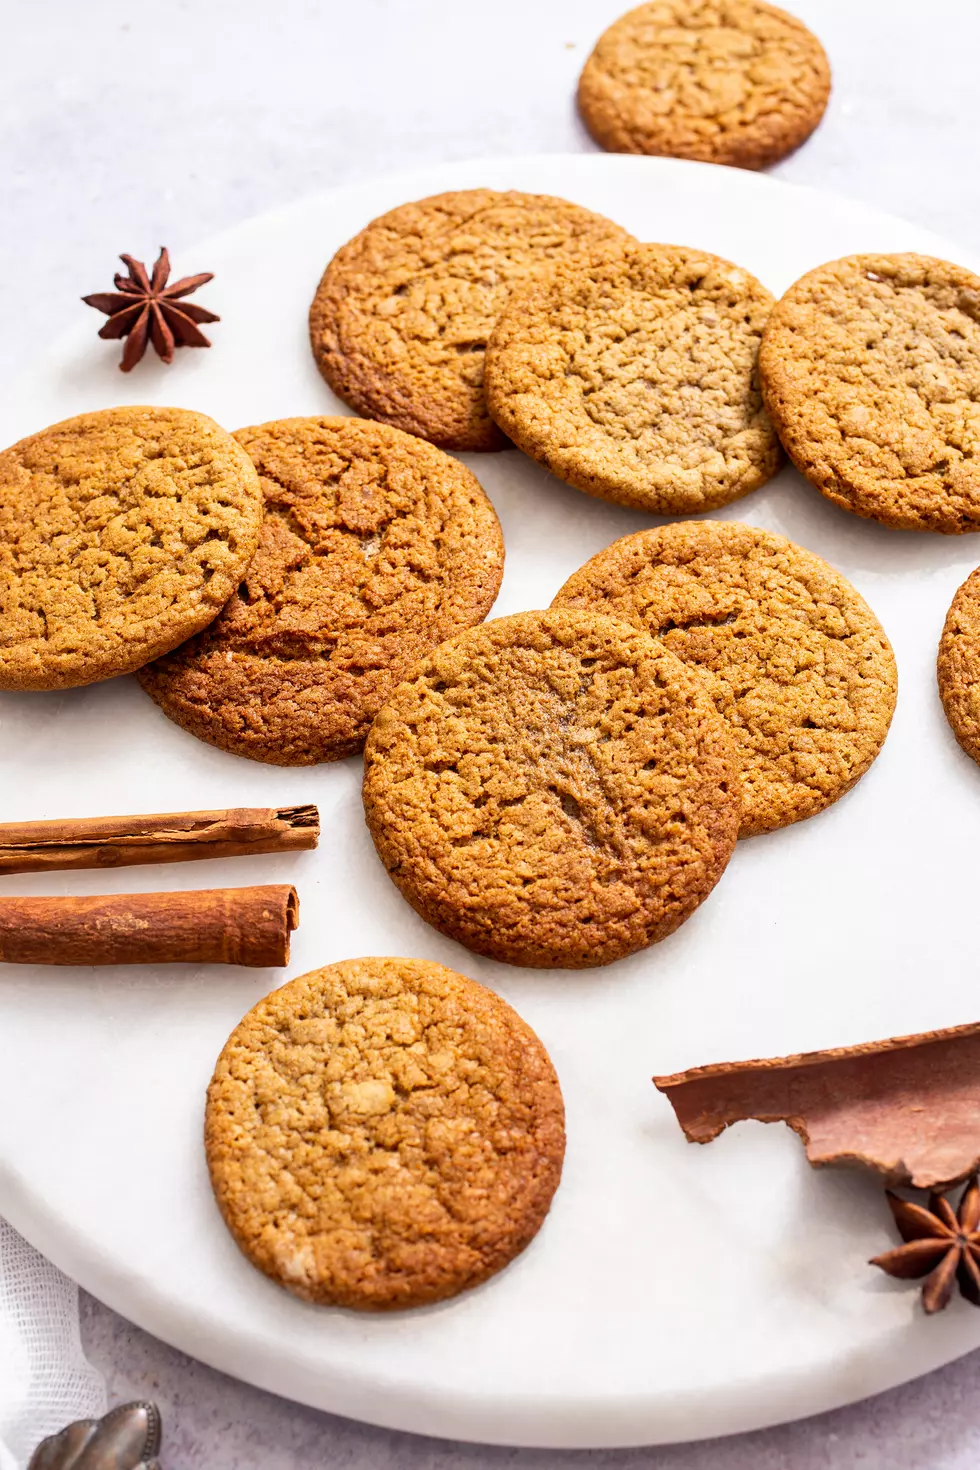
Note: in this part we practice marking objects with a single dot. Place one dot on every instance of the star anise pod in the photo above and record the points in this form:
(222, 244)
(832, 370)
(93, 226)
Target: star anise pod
(145, 309)
(940, 1244)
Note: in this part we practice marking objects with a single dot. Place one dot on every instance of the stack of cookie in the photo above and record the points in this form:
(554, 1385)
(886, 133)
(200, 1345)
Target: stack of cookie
(270, 586)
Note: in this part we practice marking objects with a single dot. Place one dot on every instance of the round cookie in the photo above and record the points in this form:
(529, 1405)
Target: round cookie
(636, 380)
(553, 789)
(794, 659)
(870, 369)
(401, 317)
(958, 665)
(375, 547)
(383, 1133)
(722, 81)
(122, 532)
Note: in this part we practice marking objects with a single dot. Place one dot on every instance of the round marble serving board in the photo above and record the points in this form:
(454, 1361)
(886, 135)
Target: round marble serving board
(675, 1291)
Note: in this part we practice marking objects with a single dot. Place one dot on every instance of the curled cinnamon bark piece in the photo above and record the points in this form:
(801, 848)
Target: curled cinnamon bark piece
(162, 837)
(216, 926)
(907, 1108)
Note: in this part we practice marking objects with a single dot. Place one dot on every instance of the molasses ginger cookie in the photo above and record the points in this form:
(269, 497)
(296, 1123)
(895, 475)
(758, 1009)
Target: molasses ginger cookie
(635, 378)
(722, 81)
(374, 548)
(383, 1133)
(121, 533)
(401, 317)
(959, 665)
(870, 369)
(552, 789)
(794, 659)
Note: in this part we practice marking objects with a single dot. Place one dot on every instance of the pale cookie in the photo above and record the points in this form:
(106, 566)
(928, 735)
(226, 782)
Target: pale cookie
(375, 547)
(870, 369)
(552, 789)
(383, 1133)
(636, 380)
(121, 533)
(723, 81)
(794, 659)
(401, 317)
(959, 665)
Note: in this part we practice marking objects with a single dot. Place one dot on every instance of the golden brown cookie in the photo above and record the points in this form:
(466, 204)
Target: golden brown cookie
(383, 1133)
(870, 370)
(374, 548)
(958, 666)
(635, 378)
(401, 317)
(794, 659)
(723, 81)
(552, 789)
(121, 533)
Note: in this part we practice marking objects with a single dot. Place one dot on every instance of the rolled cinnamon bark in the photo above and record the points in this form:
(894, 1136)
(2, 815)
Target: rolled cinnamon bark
(210, 926)
(163, 837)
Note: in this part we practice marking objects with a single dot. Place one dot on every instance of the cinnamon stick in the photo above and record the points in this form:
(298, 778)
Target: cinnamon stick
(907, 1107)
(163, 837)
(222, 926)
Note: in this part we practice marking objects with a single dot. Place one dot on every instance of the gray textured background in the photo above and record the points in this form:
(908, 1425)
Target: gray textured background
(127, 125)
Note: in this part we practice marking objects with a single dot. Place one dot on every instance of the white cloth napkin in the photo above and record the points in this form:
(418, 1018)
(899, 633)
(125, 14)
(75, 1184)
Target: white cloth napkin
(45, 1379)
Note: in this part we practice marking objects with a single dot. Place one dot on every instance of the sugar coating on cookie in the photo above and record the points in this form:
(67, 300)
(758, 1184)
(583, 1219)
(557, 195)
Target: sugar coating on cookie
(122, 532)
(374, 548)
(870, 369)
(791, 654)
(958, 666)
(635, 378)
(553, 789)
(383, 1133)
(722, 81)
(401, 317)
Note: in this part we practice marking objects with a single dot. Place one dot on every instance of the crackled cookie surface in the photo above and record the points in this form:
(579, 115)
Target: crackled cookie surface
(383, 1133)
(122, 532)
(635, 378)
(401, 317)
(870, 368)
(792, 656)
(959, 665)
(552, 789)
(375, 547)
(722, 81)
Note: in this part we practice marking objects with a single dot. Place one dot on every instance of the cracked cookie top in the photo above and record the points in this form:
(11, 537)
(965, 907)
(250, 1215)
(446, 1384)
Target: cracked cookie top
(383, 1133)
(870, 370)
(792, 655)
(375, 547)
(554, 789)
(122, 532)
(401, 317)
(635, 378)
(724, 81)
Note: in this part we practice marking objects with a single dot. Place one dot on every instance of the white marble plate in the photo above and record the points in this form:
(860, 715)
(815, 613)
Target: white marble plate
(675, 1291)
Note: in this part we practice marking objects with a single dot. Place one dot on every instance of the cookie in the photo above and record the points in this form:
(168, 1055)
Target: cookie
(958, 666)
(383, 1133)
(121, 533)
(375, 547)
(722, 81)
(635, 378)
(794, 659)
(553, 789)
(870, 369)
(401, 317)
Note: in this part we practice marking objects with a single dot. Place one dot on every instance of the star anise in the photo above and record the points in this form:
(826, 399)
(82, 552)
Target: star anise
(940, 1244)
(145, 309)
